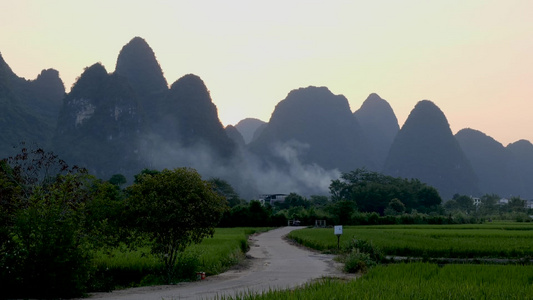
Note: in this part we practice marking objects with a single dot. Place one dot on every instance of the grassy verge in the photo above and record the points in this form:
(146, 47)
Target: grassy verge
(120, 267)
(420, 281)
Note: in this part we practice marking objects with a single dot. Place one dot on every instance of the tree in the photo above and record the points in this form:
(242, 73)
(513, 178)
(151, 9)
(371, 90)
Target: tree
(173, 208)
(319, 201)
(342, 211)
(489, 204)
(373, 191)
(516, 204)
(223, 188)
(47, 229)
(464, 203)
(293, 200)
(395, 207)
(451, 205)
(138, 177)
(118, 180)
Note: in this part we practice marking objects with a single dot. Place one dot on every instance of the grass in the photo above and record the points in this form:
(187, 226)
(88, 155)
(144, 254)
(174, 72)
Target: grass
(121, 267)
(496, 240)
(419, 281)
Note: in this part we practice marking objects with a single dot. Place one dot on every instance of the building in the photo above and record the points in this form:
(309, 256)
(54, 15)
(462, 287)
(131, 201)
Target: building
(272, 198)
(503, 201)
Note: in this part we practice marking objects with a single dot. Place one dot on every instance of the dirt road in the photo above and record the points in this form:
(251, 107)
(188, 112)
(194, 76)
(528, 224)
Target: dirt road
(273, 264)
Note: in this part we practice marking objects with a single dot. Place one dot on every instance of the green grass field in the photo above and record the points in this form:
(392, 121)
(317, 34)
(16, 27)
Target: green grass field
(123, 267)
(420, 281)
(495, 240)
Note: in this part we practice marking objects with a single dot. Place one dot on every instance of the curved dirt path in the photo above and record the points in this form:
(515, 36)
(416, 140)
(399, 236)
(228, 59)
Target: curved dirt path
(273, 264)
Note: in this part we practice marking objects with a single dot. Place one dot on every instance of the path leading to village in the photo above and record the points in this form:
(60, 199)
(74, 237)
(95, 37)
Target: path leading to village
(272, 263)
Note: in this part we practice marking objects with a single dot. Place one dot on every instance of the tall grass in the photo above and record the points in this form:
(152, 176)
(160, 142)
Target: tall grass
(419, 281)
(503, 240)
(121, 267)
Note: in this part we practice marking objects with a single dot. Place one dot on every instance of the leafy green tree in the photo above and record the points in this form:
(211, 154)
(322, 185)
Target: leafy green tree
(293, 200)
(51, 235)
(342, 211)
(319, 201)
(465, 203)
(451, 205)
(118, 180)
(516, 204)
(223, 188)
(173, 208)
(373, 191)
(395, 207)
(138, 177)
(48, 230)
(489, 204)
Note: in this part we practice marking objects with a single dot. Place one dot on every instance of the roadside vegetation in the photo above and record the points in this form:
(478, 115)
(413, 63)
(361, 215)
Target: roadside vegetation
(55, 221)
(65, 233)
(418, 281)
(369, 250)
(121, 267)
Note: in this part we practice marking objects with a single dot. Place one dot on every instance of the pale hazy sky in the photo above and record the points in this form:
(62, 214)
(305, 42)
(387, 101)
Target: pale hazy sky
(473, 59)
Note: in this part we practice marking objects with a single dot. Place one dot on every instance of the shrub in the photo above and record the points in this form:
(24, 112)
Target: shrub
(375, 253)
(357, 261)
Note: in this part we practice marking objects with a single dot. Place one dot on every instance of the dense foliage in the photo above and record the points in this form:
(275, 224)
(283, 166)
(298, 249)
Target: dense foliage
(53, 218)
(372, 191)
(173, 209)
(50, 218)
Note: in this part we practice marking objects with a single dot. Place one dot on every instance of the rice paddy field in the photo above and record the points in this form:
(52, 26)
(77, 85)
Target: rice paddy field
(423, 280)
(489, 240)
(419, 281)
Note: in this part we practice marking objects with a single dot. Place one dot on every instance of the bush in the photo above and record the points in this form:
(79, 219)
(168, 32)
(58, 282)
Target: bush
(375, 253)
(357, 261)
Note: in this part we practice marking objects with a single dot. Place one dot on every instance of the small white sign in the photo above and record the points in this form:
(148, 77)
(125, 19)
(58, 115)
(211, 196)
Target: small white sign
(338, 230)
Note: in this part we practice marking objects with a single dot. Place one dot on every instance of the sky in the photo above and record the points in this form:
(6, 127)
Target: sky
(472, 58)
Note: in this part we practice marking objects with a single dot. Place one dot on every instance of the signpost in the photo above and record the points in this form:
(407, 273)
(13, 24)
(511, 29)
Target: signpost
(338, 233)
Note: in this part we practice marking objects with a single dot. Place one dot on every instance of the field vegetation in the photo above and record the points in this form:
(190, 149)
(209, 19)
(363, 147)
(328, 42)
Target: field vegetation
(419, 281)
(124, 267)
(364, 249)
(65, 232)
(493, 240)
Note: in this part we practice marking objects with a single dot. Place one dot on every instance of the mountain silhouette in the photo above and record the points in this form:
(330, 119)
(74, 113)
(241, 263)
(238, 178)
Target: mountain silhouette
(44, 95)
(248, 127)
(319, 126)
(521, 163)
(99, 124)
(28, 108)
(425, 148)
(234, 134)
(192, 118)
(379, 125)
(490, 161)
(130, 119)
(138, 64)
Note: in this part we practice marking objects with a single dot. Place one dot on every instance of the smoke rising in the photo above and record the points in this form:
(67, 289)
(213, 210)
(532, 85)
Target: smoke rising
(249, 174)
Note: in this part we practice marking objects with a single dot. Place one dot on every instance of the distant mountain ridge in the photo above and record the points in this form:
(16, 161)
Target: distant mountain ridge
(248, 128)
(127, 120)
(117, 123)
(379, 125)
(321, 123)
(28, 108)
(425, 148)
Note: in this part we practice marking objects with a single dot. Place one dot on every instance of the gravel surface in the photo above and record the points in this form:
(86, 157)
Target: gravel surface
(272, 263)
